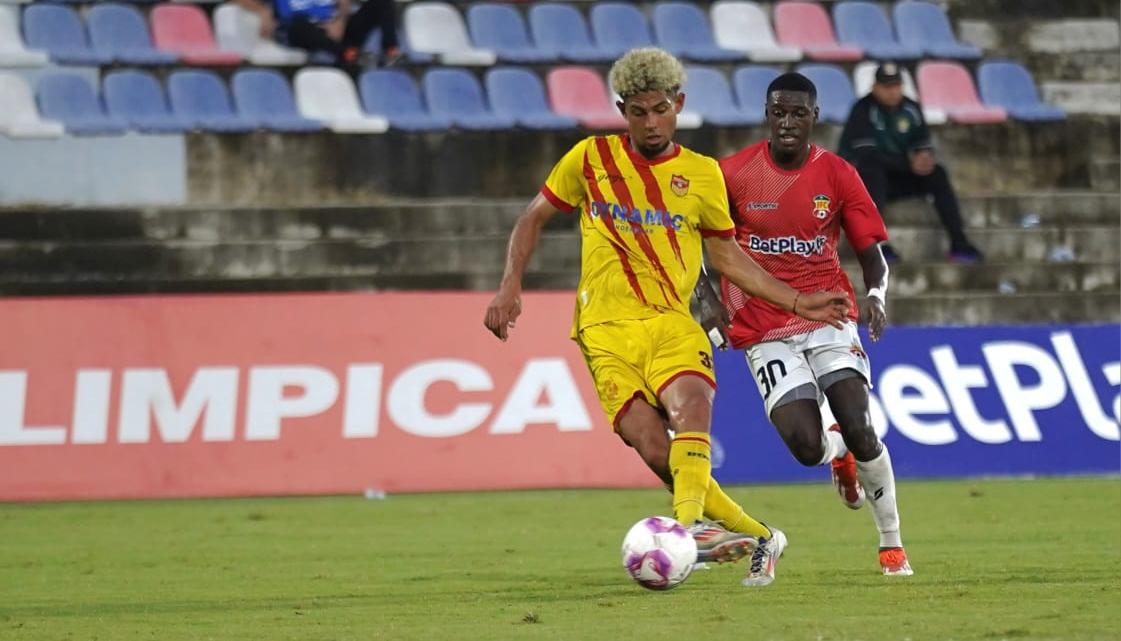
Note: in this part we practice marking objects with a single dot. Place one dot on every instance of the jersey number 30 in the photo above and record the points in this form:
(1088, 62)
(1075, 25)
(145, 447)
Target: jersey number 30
(769, 375)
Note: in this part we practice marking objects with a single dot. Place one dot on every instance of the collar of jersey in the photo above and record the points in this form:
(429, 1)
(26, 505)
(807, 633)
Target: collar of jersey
(789, 172)
(639, 159)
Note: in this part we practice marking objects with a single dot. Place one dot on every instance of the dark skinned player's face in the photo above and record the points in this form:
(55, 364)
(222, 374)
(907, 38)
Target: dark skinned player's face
(651, 120)
(790, 117)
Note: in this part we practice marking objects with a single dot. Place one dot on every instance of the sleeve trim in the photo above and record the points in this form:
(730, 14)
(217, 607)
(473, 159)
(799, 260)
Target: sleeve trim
(722, 233)
(555, 200)
(864, 242)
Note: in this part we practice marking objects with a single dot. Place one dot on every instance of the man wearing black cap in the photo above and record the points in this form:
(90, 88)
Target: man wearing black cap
(887, 140)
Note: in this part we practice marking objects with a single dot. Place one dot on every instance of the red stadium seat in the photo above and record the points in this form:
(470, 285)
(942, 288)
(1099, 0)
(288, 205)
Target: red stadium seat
(949, 87)
(581, 93)
(806, 25)
(184, 29)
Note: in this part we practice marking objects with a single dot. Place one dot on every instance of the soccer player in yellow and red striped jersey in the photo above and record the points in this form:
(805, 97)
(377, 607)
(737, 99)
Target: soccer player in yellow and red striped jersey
(645, 203)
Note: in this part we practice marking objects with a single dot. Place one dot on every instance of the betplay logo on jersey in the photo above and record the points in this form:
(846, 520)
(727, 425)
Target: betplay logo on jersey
(821, 206)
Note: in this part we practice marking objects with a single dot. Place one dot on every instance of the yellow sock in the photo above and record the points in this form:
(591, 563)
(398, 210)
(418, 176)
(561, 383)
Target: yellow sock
(691, 467)
(720, 507)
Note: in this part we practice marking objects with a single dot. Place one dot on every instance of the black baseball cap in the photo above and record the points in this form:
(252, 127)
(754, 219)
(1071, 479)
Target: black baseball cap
(889, 73)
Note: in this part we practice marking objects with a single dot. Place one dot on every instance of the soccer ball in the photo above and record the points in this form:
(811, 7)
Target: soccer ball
(658, 553)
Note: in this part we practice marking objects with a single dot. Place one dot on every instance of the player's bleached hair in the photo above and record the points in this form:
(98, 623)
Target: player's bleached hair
(646, 69)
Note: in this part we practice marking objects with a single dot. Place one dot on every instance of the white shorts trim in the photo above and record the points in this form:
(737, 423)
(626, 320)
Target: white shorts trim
(782, 365)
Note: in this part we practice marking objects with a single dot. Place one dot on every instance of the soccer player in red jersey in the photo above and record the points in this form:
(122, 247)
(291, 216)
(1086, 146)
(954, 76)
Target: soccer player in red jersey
(790, 200)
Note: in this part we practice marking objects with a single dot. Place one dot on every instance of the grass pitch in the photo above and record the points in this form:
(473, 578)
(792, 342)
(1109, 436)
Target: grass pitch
(993, 560)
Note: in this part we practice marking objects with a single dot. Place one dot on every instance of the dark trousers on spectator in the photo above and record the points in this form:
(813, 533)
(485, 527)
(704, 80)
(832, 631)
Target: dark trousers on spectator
(887, 184)
(373, 14)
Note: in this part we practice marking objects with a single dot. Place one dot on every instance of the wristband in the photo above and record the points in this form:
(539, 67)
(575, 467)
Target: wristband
(878, 294)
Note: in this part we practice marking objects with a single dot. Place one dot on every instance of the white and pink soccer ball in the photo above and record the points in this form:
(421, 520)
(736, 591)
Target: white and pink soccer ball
(659, 553)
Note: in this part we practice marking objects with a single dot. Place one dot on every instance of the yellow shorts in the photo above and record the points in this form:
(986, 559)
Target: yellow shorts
(637, 359)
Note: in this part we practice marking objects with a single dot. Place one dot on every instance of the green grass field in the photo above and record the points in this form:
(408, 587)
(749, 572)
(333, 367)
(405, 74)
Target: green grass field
(993, 560)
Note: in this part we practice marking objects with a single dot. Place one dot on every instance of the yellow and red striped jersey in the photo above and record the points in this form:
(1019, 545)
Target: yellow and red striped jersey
(641, 224)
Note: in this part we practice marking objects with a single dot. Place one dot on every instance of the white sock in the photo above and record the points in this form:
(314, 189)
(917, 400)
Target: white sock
(834, 446)
(878, 480)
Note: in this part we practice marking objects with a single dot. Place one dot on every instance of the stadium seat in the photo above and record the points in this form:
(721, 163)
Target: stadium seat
(264, 96)
(456, 93)
(682, 29)
(834, 91)
(580, 92)
(619, 27)
(560, 30)
(121, 31)
(58, 31)
(238, 29)
(19, 117)
(438, 29)
(744, 26)
(519, 94)
(1009, 85)
(184, 30)
(707, 92)
(924, 25)
(394, 95)
(864, 76)
(137, 98)
(328, 95)
(500, 28)
(806, 25)
(12, 51)
(201, 97)
(69, 99)
(750, 83)
(948, 86)
(864, 24)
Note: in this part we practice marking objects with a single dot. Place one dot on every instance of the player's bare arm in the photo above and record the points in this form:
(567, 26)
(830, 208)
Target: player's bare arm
(875, 270)
(727, 257)
(506, 306)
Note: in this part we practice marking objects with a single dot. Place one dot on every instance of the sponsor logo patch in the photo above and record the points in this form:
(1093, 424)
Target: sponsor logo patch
(786, 245)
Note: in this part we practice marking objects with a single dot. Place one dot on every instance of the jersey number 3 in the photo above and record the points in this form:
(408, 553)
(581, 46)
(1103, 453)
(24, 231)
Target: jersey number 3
(769, 376)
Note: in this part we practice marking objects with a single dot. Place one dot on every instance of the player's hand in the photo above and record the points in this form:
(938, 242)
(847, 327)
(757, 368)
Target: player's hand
(826, 307)
(877, 318)
(922, 162)
(503, 310)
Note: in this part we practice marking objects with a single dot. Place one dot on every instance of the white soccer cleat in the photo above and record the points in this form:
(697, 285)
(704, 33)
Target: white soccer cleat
(764, 559)
(717, 545)
(893, 562)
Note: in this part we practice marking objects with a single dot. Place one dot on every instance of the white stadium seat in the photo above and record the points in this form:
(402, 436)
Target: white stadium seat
(744, 26)
(328, 95)
(437, 28)
(19, 117)
(239, 30)
(864, 75)
(12, 51)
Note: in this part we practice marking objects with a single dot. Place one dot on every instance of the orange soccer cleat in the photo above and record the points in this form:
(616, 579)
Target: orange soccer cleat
(845, 479)
(893, 561)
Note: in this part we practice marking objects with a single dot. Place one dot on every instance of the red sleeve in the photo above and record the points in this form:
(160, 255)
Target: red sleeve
(860, 219)
(555, 200)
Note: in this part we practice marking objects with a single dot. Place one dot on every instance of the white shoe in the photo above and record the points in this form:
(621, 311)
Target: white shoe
(764, 559)
(717, 545)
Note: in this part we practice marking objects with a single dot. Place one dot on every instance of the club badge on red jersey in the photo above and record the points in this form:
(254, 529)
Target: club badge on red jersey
(821, 206)
(679, 185)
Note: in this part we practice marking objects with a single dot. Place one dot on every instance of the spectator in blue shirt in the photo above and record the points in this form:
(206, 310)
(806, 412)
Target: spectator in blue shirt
(329, 25)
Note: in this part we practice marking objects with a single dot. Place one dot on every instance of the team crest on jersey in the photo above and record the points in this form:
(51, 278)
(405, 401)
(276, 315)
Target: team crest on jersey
(678, 185)
(821, 206)
(903, 125)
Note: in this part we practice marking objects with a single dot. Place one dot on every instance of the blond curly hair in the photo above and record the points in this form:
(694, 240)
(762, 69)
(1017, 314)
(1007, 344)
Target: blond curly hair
(646, 69)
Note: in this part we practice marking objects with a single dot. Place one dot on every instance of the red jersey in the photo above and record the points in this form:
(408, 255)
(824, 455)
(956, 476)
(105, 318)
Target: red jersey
(788, 222)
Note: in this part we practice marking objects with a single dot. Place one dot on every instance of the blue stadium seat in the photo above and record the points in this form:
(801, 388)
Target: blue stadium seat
(560, 30)
(707, 93)
(500, 28)
(393, 93)
(69, 99)
(373, 45)
(750, 83)
(138, 99)
(1009, 85)
(865, 25)
(835, 95)
(58, 30)
(264, 95)
(200, 97)
(456, 93)
(922, 24)
(619, 27)
(683, 30)
(519, 94)
(120, 31)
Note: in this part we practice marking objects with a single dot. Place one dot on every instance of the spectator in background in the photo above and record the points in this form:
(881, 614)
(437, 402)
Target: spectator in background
(887, 140)
(329, 25)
